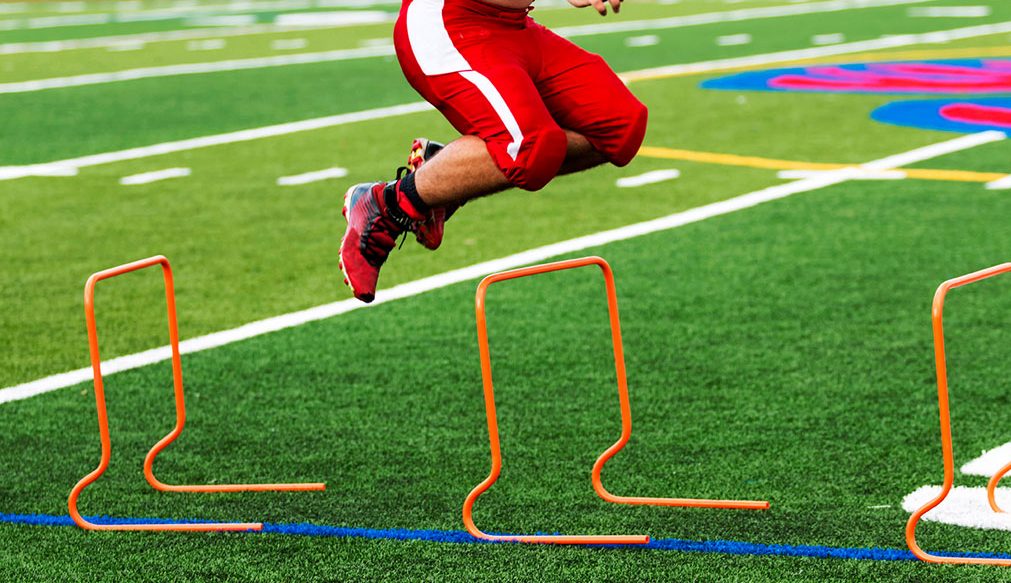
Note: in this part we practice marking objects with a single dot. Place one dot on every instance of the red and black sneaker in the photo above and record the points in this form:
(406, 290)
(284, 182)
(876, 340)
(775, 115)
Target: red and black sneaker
(429, 233)
(371, 234)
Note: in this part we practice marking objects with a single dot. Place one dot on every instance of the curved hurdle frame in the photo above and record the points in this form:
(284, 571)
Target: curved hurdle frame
(598, 466)
(177, 378)
(947, 451)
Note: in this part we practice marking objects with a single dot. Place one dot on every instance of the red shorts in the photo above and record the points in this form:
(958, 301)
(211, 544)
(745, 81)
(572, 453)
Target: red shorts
(496, 74)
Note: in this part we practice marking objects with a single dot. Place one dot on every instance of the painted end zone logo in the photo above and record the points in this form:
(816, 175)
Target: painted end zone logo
(971, 76)
(968, 77)
(949, 115)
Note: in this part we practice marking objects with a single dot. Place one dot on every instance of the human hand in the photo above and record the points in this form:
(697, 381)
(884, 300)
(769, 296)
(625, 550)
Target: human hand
(599, 5)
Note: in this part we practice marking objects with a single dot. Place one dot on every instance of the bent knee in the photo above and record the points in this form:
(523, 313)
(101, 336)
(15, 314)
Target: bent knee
(630, 134)
(536, 161)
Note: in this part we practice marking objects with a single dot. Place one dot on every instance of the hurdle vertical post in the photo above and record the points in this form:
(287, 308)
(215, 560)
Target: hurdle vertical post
(947, 449)
(626, 420)
(180, 405)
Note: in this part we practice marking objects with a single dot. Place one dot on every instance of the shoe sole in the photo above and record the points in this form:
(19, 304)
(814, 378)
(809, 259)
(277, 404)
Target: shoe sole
(340, 260)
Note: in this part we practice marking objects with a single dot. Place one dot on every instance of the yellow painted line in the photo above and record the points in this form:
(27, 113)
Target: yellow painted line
(734, 159)
(953, 175)
(774, 164)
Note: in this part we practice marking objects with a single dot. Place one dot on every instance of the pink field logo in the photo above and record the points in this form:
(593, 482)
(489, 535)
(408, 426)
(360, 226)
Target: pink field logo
(962, 78)
(973, 76)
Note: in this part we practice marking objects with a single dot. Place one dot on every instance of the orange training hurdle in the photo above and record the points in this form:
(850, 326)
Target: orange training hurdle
(947, 451)
(626, 422)
(177, 377)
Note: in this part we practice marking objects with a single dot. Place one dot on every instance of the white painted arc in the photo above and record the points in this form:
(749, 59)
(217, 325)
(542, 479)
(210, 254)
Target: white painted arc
(253, 329)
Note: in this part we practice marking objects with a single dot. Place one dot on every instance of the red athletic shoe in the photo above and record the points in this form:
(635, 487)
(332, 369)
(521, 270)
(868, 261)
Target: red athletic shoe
(371, 235)
(429, 233)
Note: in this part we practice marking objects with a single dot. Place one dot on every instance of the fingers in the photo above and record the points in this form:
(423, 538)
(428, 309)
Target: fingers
(600, 6)
(616, 5)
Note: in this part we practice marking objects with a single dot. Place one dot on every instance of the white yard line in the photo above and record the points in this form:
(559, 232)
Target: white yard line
(989, 462)
(733, 40)
(194, 68)
(676, 22)
(828, 39)
(155, 176)
(347, 54)
(1002, 184)
(862, 175)
(14, 172)
(949, 12)
(404, 290)
(328, 174)
(149, 37)
(728, 16)
(902, 40)
(648, 178)
(11, 172)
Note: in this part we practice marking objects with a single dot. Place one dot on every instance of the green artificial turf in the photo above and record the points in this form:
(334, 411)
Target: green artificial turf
(781, 353)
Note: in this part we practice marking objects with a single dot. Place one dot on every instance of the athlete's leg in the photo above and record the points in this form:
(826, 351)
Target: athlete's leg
(464, 170)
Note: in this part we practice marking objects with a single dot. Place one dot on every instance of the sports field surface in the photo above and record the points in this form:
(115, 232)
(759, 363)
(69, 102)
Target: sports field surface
(776, 249)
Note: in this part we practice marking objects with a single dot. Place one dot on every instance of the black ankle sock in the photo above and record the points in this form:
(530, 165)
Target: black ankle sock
(407, 187)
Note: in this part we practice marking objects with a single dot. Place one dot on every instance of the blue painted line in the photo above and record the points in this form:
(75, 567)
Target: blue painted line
(725, 547)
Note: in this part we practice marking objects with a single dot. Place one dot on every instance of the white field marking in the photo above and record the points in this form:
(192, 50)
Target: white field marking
(11, 172)
(648, 40)
(10, 8)
(828, 39)
(252, 63)
(728, 16)
(70, 6)
(950, 12)
(376, 42)
(879, 506)
(194, 68)
(14, 172)
(648, 178)
(147, 37)
(134, 45)
(903, 40)
(343, 18)
(211, 44)
(964, 506)
(222, 20)
(859, 175)
(413, 288)
(1001, 184)
(989, 462)
(288, 44)
(733, 40)
(179, 11)
(312, 176)
(149, 177)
